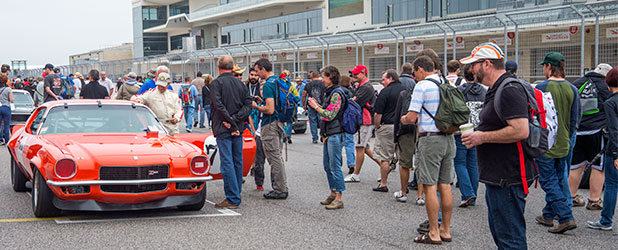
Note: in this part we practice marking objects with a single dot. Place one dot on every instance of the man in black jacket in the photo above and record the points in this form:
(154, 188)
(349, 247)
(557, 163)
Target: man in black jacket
(231, 108)
(593, 92)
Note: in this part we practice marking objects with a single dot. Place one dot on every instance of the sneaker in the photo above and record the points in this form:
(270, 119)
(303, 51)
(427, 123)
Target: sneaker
(563, 227)
(380, 189)
(545, 222)
(350, 169)
(202, 126)
(420, 201)
(598, 225)
(578, 201)
(224, 204)
(260, 188)
(188, 130)
(595, 205)
(335, 205)
(400, 197)
(328, 200)
(195, 124)
(352, 178)
(467, 202)
(276, 195)
(289, 140)
(314, 142)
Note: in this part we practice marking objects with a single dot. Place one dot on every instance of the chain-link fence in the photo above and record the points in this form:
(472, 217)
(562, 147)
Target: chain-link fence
(586, 34)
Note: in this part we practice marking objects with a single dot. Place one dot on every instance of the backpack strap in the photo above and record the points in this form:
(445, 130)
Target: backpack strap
(458, 82)
(522, 167)
(498, 95)
(467, 89)
(438, 84)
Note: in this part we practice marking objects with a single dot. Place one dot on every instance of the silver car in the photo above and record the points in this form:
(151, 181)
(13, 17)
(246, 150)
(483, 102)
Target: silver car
(22, 107)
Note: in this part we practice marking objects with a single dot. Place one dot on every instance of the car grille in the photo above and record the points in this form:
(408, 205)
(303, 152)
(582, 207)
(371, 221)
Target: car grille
(134, 173)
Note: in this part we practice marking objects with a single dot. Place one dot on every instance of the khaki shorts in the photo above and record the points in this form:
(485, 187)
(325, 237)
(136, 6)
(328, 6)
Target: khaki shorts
(434, 160)
(384, 149)
(406, 149)
(363, 136)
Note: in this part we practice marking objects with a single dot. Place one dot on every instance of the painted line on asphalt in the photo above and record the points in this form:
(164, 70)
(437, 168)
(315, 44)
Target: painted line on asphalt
(32, 219)
(222, 213)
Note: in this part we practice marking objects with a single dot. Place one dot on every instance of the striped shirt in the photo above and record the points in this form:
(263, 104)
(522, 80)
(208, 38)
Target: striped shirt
(426, 94)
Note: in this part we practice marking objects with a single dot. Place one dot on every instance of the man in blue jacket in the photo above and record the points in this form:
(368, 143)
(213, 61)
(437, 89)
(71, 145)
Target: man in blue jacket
(150, 84)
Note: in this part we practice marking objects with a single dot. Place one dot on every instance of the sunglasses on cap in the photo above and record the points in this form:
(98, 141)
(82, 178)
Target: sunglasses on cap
(237, 75)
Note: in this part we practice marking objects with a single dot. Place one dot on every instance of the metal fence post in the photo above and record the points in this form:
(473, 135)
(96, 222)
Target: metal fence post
(454, 44)
(396, 49)
(356, 42)
(322, 45)
(583, 38)
(596, 34)
(445, 46)
(506, 46)
(516, 38)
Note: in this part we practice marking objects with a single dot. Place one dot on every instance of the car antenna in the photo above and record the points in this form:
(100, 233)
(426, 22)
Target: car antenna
(66, 106)
(99, 103)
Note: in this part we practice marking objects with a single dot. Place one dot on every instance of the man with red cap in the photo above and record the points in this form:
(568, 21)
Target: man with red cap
(365, 97)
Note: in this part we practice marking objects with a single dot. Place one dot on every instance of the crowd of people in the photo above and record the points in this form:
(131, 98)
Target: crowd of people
(403, 118)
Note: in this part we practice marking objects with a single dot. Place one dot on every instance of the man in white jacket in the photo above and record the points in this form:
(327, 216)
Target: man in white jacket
(163, 102)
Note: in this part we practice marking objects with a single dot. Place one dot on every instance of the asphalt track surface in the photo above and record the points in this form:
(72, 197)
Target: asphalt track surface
(370, 220)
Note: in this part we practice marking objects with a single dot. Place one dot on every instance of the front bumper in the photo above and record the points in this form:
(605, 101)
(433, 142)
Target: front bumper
(127, 182)
(93, 205)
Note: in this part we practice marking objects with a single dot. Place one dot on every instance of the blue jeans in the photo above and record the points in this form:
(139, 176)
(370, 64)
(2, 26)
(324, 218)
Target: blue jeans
(189, 115)
(551, 175)
(564, 185)
(313, 123)
(198, 106)
(332, 162)
(288, 129)
(611, 190)
(350, 151)
(230, 155)
(466, 169)
(207, 109)
(505, 212)
(5, 118)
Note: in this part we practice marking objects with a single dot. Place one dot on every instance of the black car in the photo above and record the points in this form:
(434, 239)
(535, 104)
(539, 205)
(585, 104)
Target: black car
(22, 107)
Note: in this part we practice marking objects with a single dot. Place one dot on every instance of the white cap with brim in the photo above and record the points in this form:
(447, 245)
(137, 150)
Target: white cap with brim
(482, 52)
(163, 79)
(603, 69)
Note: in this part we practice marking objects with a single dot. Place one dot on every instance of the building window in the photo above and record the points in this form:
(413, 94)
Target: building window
(399, 10)
(176, 41)
(153, 16)
(179, 8)
(461, 6)
(340, 8)
(155, 44)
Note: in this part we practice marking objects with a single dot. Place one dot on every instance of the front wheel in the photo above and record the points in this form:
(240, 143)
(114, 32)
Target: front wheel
(18, 179)
(42, 197)
(196, 206)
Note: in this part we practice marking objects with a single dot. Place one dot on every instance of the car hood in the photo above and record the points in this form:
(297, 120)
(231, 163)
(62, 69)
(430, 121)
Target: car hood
(101, 146)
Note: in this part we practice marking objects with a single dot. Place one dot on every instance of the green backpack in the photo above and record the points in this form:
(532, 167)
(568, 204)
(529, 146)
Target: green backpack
(452, 110)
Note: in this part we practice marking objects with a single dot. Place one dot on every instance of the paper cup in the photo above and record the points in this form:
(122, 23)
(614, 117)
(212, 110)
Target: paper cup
(466, 128)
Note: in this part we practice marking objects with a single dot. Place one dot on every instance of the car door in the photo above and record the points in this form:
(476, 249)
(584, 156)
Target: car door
(27, 145)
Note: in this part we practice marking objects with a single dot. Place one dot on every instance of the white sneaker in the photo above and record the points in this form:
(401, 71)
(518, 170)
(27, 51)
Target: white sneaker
(420, 201)
(400, 197)
(352, 178)
(189, 130)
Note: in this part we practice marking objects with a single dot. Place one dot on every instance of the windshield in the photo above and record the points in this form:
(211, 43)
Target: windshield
(23, 100)
(95, 119)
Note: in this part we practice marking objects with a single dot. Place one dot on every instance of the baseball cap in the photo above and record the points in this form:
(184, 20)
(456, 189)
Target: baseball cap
(56, 70)
(511, 66)
(132, 75)
(552, 58)
(78, 75)
(482, 52)
(151, 73)
(359, 69)
(163, 79)
(603, 69)
(49, 66)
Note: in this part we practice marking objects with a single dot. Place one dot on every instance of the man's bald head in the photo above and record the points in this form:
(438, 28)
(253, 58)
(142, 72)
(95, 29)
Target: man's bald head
(226, 63)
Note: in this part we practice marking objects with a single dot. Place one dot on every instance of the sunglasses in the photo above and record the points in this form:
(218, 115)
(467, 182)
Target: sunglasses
(237, 75)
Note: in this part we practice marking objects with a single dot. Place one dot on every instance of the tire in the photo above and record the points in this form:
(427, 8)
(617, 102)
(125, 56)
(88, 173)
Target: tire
(18, 179)
(196, 206)
(42, 197)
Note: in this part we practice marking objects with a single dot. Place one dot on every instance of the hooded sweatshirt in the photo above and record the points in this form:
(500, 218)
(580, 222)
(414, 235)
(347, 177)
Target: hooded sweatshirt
(594, 122)
(475, 97)
(127, 89)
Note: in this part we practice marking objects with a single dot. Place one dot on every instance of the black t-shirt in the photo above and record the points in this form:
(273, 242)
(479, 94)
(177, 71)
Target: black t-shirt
(206, 95)
(315, 89)
(499, 162)
(94, 90)
(386, 102)
(54, 82)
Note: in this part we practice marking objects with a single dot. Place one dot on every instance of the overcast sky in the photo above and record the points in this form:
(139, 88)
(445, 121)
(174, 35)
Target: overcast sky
(49, 31)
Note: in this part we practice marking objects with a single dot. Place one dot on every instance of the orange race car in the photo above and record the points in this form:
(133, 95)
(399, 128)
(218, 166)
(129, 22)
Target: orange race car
(103, 155)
